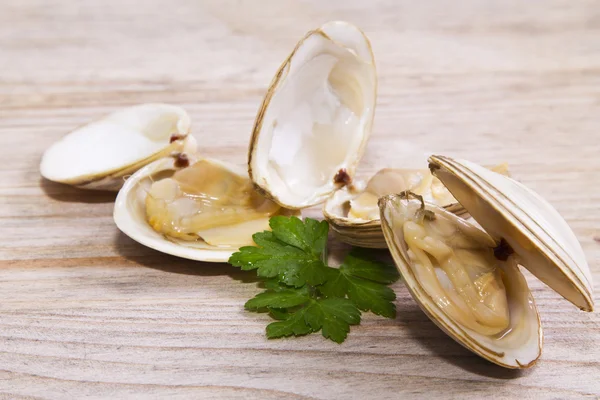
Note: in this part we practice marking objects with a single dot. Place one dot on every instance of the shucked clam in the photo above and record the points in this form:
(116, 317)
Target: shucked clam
(467, 279)
(353, 211)
(201, 209)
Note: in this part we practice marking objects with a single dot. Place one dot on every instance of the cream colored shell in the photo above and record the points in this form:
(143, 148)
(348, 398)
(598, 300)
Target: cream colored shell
(508, 210)
(366, 232)
(130, 215)
(100, 154)
(315, 118)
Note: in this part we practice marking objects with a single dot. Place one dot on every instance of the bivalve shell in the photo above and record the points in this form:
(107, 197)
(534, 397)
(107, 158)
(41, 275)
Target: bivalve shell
(519, 345)
(316, 117)
(100, 154)
(467, 279)
(538, 234)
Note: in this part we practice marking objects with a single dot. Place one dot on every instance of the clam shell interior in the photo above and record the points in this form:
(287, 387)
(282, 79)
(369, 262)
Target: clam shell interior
(365, 230)
(315, 118)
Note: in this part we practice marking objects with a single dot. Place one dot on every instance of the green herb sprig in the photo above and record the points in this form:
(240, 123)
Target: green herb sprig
(302, 292)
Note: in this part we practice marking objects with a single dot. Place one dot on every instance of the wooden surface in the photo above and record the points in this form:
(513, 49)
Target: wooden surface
(87, 312)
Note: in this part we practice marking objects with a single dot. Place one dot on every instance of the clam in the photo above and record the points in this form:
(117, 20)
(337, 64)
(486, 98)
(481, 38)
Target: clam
(466, 279)
(196, 208)
(100, 154)
(353, 212)
(316, 117)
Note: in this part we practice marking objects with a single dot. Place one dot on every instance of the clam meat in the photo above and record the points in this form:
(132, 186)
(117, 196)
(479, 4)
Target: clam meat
(206, 201)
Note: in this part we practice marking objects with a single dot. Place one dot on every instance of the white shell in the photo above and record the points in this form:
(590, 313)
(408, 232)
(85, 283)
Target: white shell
(130, 216)
(98, 155)
(540, 237)
(315, 118)
(520, 347)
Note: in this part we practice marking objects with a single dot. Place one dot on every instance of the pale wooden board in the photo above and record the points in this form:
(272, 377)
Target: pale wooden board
(87, 312)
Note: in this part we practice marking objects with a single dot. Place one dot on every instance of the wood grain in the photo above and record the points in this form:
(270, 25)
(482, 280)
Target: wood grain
(88, 313)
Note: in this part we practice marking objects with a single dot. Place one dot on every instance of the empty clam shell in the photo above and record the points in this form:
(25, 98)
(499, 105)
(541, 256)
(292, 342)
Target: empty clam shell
(316, 117)
(98, 155)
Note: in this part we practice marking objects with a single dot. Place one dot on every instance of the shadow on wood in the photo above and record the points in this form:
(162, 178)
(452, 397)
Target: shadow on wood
(419, 327)
(70, 194)
(147, 257)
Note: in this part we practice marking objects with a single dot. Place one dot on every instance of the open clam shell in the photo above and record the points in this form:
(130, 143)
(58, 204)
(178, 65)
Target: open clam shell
(316, 117)
(214, 244)
(519, 343)
(353, 212)
(506, 209)
(452, 277)
(98, 155)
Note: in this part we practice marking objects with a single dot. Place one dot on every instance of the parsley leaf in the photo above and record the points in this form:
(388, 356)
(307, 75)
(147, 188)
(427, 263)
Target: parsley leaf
(280, 299)
(294, 325)
(358, 264)
(310, 235)
(304, 294)
(364, 282)
(334, 316)
(279, 314)
(275, 258)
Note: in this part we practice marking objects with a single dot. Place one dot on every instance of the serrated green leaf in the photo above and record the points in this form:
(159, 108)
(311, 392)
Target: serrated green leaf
(357, 264)
(273, 259)
(280, 299)
(316, 233)
(338, 315)
(371, 296)
(267, 240)
(272, 284)
(336, 284)
(368, 295)
(294, 325)
(289, 230)
(310, 235)
(314, 273)
(313, 315)
(304, 294)
(279, 314)
(342, 309)
(333, 316)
